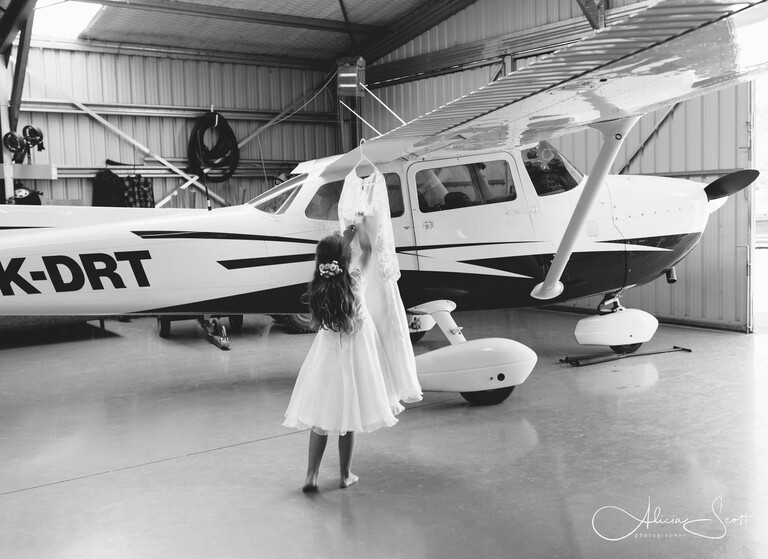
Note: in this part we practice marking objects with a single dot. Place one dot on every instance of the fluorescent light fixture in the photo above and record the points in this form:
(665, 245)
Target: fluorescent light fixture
(62, 19)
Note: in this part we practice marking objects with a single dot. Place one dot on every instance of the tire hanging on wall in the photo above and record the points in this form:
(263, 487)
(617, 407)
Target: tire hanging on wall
(221, 159)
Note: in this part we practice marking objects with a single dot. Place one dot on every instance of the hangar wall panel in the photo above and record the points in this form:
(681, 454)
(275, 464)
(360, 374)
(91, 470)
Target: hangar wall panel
(166, 94)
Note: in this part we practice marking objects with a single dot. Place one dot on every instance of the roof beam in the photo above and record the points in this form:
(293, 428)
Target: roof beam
(247, 16)
(418, 21)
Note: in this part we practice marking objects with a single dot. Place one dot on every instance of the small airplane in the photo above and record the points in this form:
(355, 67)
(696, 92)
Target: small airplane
(486, 212)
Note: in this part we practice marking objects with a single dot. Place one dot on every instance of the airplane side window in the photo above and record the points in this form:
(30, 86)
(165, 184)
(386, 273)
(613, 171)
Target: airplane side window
(549, 171)
(325, 203)
(494, 179)
(395, 193)
(460, 186)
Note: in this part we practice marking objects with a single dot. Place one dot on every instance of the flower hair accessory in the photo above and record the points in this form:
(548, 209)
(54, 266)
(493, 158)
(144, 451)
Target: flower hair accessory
(329, 270)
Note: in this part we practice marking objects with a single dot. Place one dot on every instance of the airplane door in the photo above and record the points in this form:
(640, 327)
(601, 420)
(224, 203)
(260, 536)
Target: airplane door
(472, 226)
(405, 240)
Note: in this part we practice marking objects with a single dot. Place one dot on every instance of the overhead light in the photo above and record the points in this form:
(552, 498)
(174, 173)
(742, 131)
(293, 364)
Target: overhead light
(351, 73)
(62, 20)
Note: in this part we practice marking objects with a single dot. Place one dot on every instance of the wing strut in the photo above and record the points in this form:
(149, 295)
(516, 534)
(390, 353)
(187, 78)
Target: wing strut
(613, 136)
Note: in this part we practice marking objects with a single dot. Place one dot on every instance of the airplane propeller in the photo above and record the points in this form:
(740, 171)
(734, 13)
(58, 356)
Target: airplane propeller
(730, 183)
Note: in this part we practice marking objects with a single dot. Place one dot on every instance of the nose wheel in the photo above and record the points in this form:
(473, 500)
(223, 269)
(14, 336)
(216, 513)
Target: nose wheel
(625, 348)
(488, 397)
(610, 304)
(621, 329)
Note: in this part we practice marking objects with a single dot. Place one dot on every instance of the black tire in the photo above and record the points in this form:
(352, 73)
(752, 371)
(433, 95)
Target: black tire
(235, 322)
(626, 348)
(163, 326)
(296, 323)
(416, 336)
(488, 397)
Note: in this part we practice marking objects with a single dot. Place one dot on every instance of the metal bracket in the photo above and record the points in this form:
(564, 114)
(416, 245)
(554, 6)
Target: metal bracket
(594, 10)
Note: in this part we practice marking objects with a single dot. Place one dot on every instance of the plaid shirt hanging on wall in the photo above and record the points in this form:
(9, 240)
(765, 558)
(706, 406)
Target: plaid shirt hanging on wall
(139, 192)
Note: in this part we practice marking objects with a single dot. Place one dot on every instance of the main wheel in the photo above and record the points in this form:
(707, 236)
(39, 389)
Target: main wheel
(488, 397)
(235, 322)
(296, 323)
(163, 326)
(626, 348)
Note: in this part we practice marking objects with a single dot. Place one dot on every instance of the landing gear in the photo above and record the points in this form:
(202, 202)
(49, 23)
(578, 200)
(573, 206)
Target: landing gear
(624, 349)
(163, 326)
(296, 323)
(215, 331)
(611, 303)
(488, 397)
(235, 323)
(623, 330)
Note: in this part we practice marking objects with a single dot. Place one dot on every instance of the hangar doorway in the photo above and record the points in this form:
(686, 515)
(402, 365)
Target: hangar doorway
(760, 197)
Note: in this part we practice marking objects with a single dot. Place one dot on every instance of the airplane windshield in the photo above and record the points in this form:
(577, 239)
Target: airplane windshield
(276, 200)
(549, 171)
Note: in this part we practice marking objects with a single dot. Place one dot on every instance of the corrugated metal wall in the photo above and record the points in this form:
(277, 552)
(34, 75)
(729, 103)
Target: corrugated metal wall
(700, 139)
(79, 144)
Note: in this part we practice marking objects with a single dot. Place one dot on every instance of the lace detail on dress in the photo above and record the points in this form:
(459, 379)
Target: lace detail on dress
(369, 196)
(382, 297)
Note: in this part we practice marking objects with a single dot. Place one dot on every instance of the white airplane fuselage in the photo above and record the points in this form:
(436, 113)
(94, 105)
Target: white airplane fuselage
(241, 259)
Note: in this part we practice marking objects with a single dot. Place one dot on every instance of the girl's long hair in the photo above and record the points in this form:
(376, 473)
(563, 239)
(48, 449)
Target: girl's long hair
(331, 299)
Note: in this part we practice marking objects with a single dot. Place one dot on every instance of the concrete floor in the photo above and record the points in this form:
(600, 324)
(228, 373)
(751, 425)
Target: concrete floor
(124, 445)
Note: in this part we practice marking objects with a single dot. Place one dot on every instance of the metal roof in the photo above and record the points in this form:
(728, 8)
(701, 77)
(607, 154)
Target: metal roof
(312, 33)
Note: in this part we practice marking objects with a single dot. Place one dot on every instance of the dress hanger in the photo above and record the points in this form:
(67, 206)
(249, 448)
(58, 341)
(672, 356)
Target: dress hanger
(364, 158)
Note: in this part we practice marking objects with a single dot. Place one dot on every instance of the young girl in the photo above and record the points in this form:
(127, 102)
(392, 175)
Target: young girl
(340, 389)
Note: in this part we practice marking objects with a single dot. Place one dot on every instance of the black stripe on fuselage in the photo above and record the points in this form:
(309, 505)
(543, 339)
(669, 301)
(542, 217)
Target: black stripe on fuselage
(12, 227)
(666, 242)
(218, 236)
(241, 263)
(457, 245)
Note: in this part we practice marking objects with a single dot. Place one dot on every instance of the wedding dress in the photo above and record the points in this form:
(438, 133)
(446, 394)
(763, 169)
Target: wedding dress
(369, 196)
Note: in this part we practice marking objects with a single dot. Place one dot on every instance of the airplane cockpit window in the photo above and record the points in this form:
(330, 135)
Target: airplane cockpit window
(277, 199)
(325, 203)
(459, 186)
(549, 171)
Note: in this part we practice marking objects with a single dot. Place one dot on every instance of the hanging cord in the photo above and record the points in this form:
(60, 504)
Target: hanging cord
(219, 162)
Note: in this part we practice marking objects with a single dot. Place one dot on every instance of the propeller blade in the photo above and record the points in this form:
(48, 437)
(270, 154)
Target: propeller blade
(730, 183)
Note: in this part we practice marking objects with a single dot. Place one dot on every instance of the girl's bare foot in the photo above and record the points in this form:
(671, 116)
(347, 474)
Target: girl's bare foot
(310, 486)
(346, 481)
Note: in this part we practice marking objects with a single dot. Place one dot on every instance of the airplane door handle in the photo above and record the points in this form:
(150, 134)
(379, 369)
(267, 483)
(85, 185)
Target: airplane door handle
(428, 225)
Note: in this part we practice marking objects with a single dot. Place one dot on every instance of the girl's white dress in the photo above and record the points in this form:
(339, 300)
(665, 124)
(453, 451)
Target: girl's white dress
(341, 387)
(355, 382)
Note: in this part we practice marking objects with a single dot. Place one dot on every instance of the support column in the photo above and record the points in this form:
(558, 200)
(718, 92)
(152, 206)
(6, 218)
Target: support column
(5, 126)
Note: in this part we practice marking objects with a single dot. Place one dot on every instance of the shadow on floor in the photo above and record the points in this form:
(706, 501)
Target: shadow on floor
(49, 330)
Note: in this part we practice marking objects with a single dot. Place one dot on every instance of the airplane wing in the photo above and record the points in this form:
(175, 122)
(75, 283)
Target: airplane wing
(671, 51)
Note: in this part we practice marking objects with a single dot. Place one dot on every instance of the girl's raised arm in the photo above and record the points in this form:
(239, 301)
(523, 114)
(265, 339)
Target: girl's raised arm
(361, 226)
